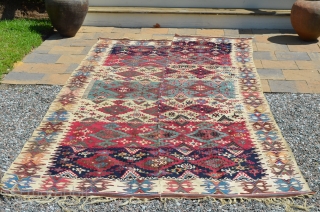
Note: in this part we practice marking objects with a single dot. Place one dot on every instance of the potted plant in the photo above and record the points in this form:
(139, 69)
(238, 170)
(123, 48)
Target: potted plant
(67, 16)
(305, 19)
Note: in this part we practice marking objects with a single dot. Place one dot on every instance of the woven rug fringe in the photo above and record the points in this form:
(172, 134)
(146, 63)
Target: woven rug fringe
(81, 202)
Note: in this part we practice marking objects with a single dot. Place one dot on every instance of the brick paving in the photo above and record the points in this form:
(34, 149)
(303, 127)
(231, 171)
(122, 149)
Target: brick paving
(284, 62)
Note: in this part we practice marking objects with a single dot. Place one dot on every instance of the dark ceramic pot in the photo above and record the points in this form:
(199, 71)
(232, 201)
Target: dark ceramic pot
(67, 16)
(305, 19)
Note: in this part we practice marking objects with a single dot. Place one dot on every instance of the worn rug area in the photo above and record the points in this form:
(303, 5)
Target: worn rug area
(159, 119)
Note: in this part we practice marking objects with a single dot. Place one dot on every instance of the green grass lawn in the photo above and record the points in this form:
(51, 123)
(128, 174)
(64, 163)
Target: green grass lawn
(17, 38)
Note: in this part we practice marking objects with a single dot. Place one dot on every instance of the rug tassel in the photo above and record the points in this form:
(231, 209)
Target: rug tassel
(288, 203)
(125, 203)
(74, 201)
(223, 202)
(49, 199)
(84, 203)
(235, 201)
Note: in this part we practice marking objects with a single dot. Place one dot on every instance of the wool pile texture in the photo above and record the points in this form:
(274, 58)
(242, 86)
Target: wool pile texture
(185, 118)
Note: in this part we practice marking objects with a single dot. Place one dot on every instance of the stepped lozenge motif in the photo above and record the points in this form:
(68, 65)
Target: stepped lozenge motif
(152, 119)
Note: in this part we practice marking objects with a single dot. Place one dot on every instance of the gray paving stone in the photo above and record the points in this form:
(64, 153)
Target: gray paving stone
(182, 31)
(272, 47)
(263, 55)
(41, 58)
(23, 76)
(42, 49)
(163, 34)
(90, 36)
(281, 47)
(231, 32)
(51, 43)
(287, 31)
(55, 36)
(282, 86)
(72, 67)
(83, 43)
(292, 55)
(314, 56)
(68, 42)
(126, 30)
(245, 36)
(86, 50)
(270, 74)
(245, 31)
(265, 31)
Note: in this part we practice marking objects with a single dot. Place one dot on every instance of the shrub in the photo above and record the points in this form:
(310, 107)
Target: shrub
(24, 5)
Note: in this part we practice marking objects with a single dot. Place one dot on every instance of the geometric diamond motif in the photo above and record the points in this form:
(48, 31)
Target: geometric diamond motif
(200, 72)
(184, 149)
(207, 135)
(115, 109)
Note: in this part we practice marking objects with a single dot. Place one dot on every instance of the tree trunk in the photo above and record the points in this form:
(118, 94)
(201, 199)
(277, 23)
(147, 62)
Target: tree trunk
(9, 10)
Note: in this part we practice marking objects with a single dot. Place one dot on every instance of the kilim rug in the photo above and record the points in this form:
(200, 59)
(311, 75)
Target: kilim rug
(159, 119)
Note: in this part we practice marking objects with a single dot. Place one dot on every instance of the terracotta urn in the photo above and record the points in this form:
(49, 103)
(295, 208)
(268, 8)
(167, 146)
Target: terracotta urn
(67, 16)
(305, 19)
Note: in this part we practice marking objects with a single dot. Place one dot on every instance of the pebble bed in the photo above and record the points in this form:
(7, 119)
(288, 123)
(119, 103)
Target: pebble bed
(298, 116)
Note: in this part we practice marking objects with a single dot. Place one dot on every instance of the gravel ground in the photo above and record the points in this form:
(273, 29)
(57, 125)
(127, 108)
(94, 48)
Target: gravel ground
(23, 106)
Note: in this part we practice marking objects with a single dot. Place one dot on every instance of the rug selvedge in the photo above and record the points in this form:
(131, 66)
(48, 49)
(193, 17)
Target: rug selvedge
(159, 119)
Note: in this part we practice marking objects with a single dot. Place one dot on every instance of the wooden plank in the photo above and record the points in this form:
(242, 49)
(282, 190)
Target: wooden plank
(209, 21)
(222, 4)
(209, 11)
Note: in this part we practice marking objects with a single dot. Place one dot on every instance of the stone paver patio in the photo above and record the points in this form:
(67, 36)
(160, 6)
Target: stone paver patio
(284, 63)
